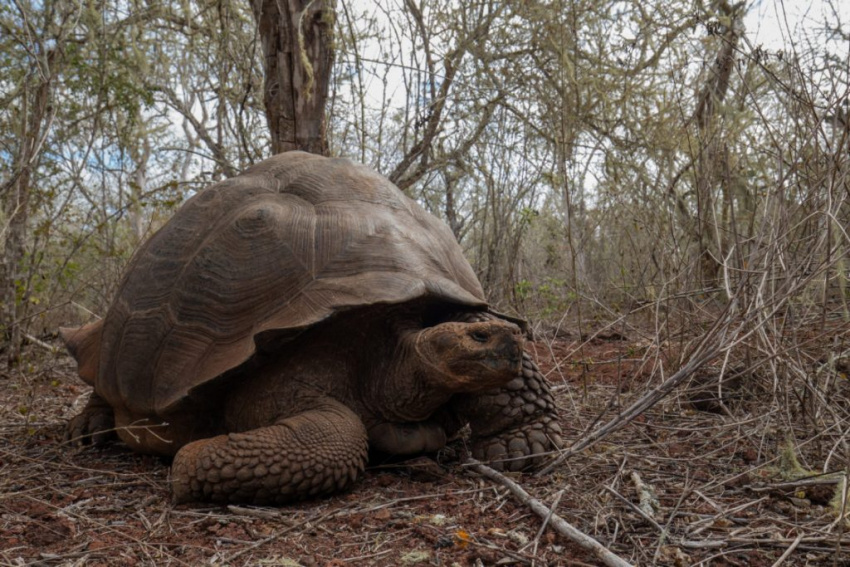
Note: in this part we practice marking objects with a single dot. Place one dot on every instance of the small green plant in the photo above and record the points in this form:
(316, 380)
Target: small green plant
(789, 466)
(523, 289)
(549, 297)
(790, 469)
(839, 504)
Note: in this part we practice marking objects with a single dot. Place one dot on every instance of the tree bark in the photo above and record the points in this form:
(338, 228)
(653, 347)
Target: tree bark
(34, 117)
(708, 161)
(297, 38)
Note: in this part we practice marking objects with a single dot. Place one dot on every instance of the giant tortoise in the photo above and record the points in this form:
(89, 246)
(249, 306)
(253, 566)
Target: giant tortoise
(289, 319)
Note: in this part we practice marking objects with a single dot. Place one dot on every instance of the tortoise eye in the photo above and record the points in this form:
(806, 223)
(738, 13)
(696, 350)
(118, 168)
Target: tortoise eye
(479, 336)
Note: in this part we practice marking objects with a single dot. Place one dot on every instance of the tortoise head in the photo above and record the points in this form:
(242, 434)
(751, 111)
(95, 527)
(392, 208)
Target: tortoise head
(471, 357)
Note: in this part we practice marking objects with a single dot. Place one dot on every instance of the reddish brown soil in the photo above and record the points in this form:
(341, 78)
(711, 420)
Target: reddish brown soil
(711, 473)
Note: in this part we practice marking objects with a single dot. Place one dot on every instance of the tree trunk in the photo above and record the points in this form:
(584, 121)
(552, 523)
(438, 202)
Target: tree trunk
(16, 206)
(140, 154)
(297, 39)
(709, 161)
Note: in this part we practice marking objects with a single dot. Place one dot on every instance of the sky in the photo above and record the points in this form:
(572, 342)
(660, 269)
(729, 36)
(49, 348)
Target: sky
(776, 24)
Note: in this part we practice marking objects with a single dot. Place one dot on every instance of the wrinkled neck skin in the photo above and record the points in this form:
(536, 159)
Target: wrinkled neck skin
(408, 388)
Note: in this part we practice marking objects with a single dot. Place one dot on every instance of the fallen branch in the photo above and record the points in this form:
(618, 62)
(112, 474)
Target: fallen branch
(561, 526)
(815, 480)
(646, 496)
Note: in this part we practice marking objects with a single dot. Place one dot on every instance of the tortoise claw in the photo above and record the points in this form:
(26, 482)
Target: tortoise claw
(94, 425)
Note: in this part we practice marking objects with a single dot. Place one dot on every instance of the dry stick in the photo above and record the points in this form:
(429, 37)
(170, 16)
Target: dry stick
(546, 523)
(814, 480)
(262, 513)
(50, 348)
(561, 525)
(789, 551)
(646, 495)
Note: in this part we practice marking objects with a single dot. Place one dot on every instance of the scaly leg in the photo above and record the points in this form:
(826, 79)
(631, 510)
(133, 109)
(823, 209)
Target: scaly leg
(309, 454)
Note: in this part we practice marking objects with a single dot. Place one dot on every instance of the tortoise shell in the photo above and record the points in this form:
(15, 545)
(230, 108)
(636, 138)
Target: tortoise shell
(283, 246)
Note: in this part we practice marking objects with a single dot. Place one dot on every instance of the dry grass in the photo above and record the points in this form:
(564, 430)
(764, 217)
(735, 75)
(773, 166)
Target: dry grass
(675, 486)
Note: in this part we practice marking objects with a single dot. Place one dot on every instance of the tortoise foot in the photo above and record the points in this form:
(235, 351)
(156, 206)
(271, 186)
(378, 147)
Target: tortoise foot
(94, 425)
(527, 446)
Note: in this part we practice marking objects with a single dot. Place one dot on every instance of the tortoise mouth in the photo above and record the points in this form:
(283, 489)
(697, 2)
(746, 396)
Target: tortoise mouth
(492, 366)
(507, 355)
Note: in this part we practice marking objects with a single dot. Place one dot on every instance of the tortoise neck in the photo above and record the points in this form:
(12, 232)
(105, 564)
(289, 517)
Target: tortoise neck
(410, 387)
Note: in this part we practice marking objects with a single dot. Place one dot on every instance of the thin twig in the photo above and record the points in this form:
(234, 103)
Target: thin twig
(789, 551)
(48, 347)
(560, 525)
(546, 522)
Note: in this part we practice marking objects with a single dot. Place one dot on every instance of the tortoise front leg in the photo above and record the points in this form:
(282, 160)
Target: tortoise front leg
(309, 454)
(514, 423)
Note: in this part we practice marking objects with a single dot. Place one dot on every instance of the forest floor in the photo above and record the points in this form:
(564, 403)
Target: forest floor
(718, 480)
